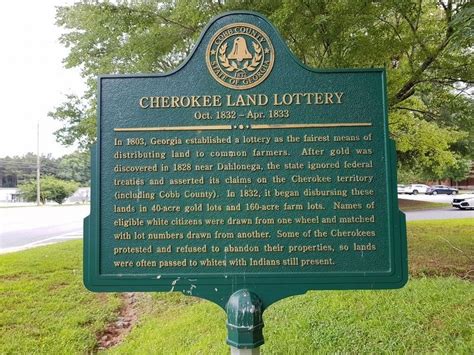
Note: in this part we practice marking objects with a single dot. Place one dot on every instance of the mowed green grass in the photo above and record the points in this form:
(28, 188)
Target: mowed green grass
(428, 315)
(441, 248)
(46, 309)
(412, 205)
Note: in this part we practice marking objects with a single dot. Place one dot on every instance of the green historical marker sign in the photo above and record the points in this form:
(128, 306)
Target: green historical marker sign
(244, 169)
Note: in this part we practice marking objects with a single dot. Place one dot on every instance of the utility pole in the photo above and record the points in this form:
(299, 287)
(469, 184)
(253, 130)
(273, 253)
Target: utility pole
(38, 188)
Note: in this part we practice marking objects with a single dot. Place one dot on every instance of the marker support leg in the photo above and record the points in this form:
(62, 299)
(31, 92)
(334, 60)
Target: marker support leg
(244, 323)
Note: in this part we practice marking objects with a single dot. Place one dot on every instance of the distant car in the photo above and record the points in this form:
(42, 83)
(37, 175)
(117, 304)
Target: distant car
(441, 189)
(463, 203)
(401, 189)
(415, 189)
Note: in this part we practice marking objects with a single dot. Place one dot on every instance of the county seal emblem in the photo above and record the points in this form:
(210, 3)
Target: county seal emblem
(240, 56)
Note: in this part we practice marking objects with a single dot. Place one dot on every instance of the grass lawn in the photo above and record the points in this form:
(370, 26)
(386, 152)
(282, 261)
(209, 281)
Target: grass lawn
(428, 315)
(44, 308)
(441, 248)
(411, 205)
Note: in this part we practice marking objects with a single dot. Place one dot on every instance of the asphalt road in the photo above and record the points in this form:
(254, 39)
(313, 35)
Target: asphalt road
(442, 213)
(27, 227)
(445, 213)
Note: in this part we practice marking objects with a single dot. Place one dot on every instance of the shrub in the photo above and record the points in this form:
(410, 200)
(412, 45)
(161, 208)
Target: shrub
(52, 189)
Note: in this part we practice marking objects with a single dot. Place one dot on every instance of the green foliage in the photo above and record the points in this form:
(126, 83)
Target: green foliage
(425, 46)
(75, 116)
(424, 147)
(406, 176)
(18, 169)
(44, 307)
(455, 110)
(52, 189)
(459, 171)
(75, 167)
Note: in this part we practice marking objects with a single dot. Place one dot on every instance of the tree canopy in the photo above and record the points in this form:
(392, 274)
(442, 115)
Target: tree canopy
(425, 45)
(75, 167)
(17, 169)
(20, 169)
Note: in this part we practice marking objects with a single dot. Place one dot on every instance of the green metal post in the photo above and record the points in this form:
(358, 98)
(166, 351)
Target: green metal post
(244, 323)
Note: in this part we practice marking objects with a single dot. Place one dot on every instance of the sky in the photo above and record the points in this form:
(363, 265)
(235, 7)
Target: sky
(33, 79)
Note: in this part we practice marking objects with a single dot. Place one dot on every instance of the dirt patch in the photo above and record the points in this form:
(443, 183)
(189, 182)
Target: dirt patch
(422, 267)
(117, 330)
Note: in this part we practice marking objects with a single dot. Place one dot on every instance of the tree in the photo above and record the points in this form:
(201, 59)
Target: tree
(426, 47)
(460, 171)
(52, 189)
(76, 167)
(17, 169)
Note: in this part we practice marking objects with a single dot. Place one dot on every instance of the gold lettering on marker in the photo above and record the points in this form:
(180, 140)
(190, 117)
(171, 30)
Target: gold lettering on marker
(328, 98)
(144, 102)
(319, 98)
(283, 99)
(339, 97)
